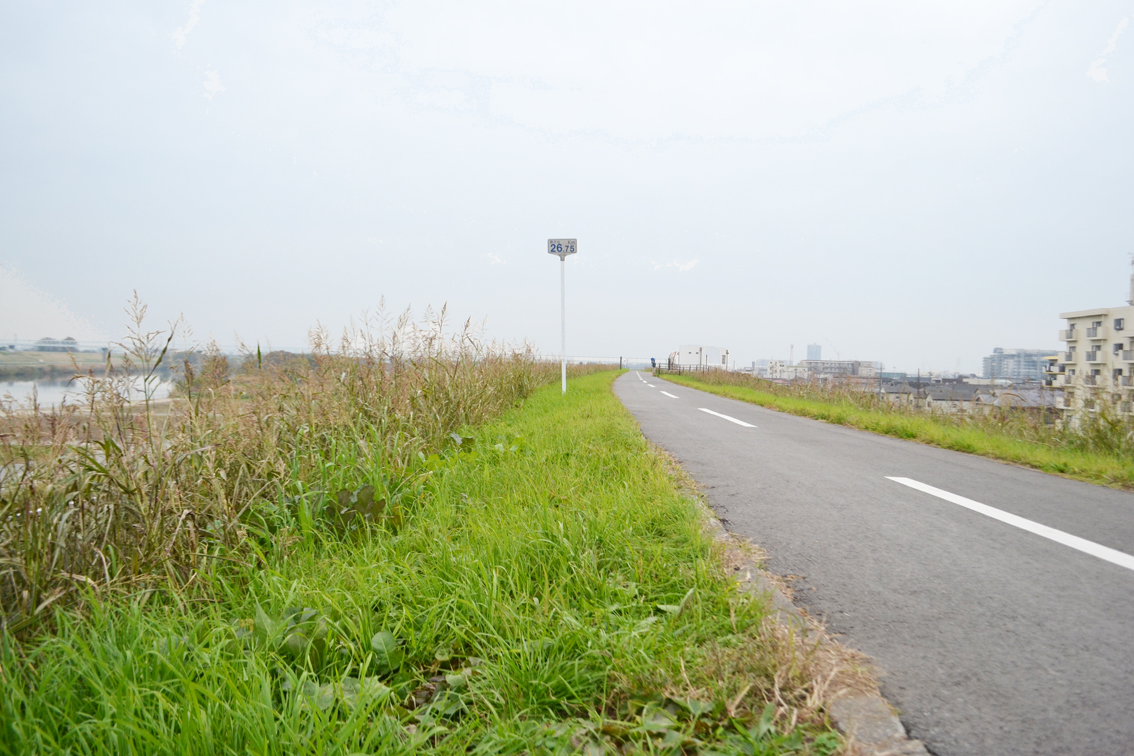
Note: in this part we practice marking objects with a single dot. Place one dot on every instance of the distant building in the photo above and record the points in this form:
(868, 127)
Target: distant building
(1038, 398)
(839, 367)
(48, 344)
(956, 397)
(1097, 368)
(782, 371)
(696, 355)
(814, 351)
(1016, 364)
(901, 394)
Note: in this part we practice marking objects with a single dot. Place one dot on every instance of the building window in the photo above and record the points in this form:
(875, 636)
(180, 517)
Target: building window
(1117, 348)
(1119, 323)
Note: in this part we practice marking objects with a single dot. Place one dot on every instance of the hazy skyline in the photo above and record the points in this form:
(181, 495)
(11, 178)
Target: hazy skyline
(909, 184)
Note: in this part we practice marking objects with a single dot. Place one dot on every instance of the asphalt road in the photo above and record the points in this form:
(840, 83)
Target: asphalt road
(992, 640)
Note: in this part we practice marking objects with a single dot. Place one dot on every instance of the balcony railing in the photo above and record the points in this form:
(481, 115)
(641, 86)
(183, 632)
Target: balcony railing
(1096, 356)
(1125, 380)
(1068, 356)
(1090, 380)
(1128, 356)
(1068, 335)
(1098, 332)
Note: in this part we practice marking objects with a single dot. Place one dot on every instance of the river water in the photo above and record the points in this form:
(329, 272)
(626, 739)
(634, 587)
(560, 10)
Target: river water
(52, 393)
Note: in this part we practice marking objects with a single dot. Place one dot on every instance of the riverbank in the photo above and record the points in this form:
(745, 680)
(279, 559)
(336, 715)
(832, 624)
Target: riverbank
(28, 365)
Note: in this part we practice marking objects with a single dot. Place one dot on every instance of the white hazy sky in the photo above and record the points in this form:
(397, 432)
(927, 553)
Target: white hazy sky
(915, 183)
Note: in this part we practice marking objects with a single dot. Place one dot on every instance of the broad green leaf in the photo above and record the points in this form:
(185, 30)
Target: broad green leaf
(644, 624)
(321, 697)
(355, 691)
(658, 720)
(295, 615)
(295, 644)
(265, 626)
(765, 726)
(387, 655)
(695, 707)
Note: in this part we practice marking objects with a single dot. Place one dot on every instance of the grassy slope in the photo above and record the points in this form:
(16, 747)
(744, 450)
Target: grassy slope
(1093, 468)
(560, 553)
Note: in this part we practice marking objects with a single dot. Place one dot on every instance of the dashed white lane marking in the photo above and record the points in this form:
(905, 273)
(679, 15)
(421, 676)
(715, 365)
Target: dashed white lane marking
(651, 385)
(1075, 542)
(671, 396)
(726, 417)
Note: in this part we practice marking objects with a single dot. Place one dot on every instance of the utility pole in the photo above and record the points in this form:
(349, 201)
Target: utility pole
(562, 248)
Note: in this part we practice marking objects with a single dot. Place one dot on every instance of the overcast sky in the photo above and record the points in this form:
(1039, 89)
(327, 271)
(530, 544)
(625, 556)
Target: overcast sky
(915, 183)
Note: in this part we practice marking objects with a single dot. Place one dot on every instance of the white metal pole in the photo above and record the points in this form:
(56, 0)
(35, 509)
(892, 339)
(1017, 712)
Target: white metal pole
(563, 314)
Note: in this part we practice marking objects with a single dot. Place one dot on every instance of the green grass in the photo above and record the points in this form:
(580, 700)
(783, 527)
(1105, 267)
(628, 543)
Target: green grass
(548, 589)
(1092, 467)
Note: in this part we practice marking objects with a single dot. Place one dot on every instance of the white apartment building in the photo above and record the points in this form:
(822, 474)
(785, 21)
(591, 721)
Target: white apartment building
(839, 367)
(782, 371)
(1098, 363)
(697, 355)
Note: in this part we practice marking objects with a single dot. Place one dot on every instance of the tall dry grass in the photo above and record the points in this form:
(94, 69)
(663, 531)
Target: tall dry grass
(125, 493)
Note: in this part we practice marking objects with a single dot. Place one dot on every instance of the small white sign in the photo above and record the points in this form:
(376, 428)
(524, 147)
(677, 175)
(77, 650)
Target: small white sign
(562, 247)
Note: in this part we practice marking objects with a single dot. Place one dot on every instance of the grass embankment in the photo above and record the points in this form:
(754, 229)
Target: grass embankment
(546, 589)
(948, 432)
(118, 496)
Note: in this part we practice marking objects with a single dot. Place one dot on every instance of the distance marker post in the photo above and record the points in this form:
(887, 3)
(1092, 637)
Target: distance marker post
(562, 248)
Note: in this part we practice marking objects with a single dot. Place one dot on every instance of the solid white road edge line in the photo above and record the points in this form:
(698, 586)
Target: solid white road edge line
(1075, 542)
(671, 396)
(726, 417)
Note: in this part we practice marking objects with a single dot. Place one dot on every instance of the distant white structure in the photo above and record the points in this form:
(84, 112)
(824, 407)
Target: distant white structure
(1016, 364)
(780, 370)
(840, 367)
(697, 355)
(759, 368)
(48, 344)
(814, 351)
(1098, 366)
